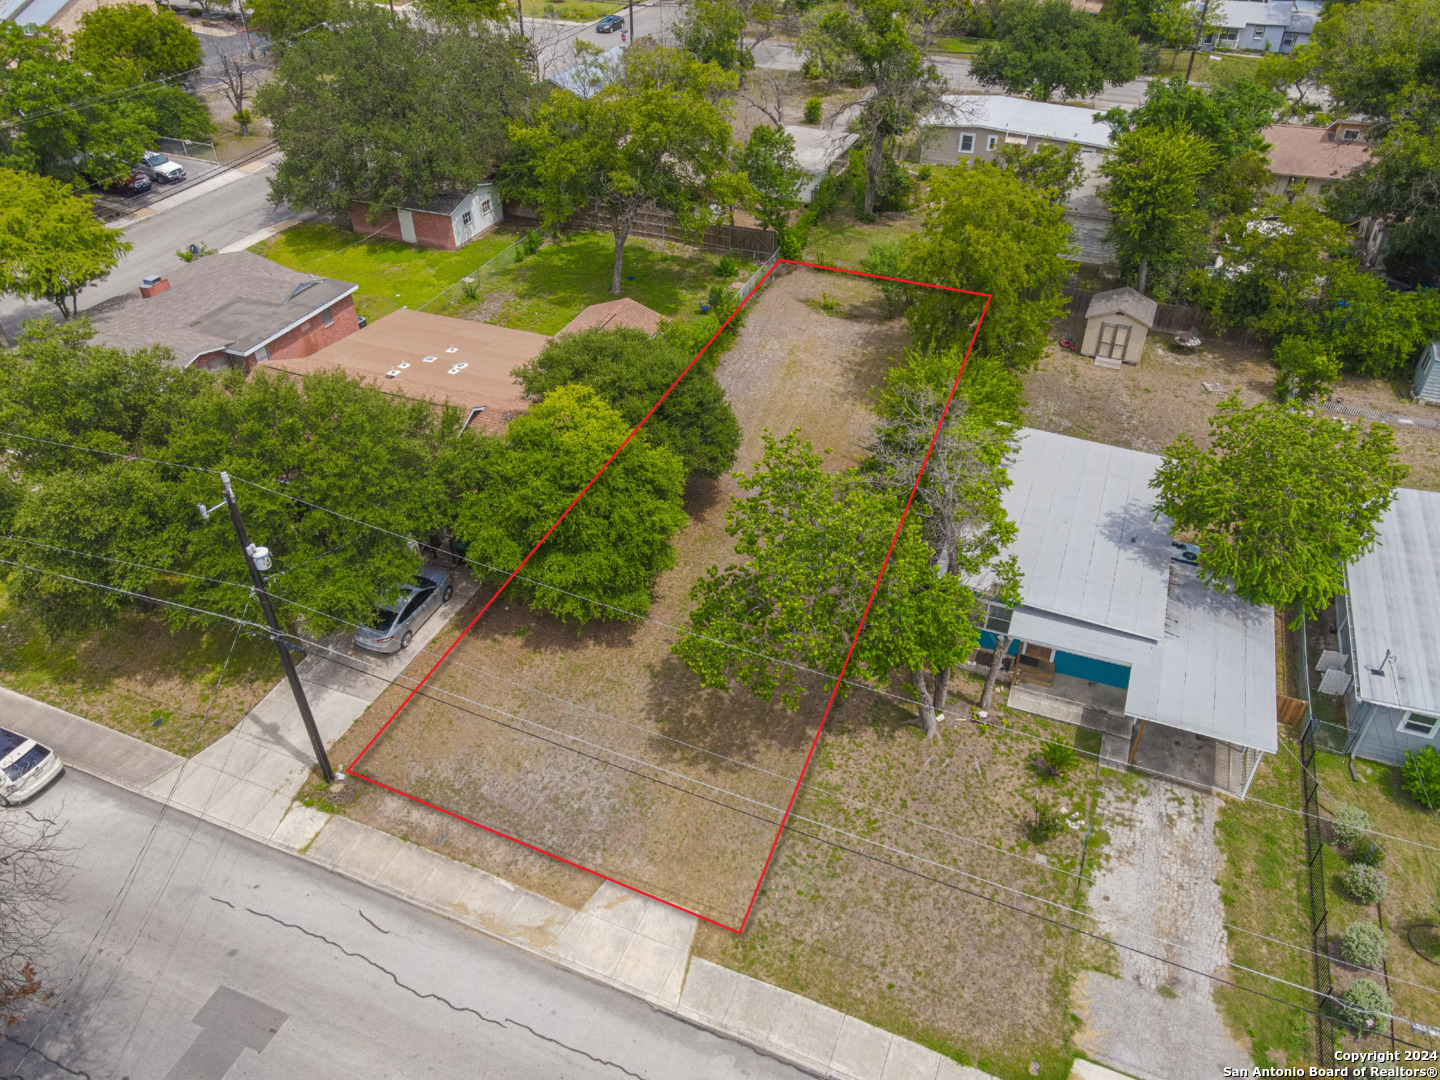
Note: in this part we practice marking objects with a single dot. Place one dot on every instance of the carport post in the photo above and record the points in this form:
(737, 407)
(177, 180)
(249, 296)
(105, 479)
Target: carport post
(248, 549)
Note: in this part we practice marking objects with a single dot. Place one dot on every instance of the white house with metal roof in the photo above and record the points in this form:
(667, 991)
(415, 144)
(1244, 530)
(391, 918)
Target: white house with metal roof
(970, 126)
(1116, 632)
(1388, 664)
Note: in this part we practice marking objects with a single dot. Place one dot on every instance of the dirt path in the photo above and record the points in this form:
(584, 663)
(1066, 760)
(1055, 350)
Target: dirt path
(1157, 892)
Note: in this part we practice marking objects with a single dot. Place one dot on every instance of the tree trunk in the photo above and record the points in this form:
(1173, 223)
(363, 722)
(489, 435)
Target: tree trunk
(987, 695)
(621, 228)
(942, 687)
(926, 703)
(1144, 272)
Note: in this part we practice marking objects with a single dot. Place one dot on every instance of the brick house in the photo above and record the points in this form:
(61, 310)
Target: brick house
(230, 310)
(450, 222)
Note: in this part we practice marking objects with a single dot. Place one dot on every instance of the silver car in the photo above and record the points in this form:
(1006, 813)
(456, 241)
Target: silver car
(160, 168)
(26, 767)
(393, 625)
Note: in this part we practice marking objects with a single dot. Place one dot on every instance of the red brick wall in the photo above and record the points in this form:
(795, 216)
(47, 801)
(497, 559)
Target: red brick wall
(431, 230)
(313, 335)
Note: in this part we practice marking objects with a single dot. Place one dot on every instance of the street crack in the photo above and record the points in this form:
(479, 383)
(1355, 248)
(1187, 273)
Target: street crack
(427, 996)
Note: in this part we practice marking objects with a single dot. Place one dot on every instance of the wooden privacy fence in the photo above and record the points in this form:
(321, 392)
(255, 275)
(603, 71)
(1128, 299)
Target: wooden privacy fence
(1169, 319)
(758, 244)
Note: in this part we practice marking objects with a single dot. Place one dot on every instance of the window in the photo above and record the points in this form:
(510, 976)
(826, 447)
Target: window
(1228, 38)
(262, 354)
(991, 141)
(327, 317)
(997, 618)
(1288, 39)
(1416, 724)
(466, 218)
(1114, 340)
(485, 207)
(1349, 135)
(967, 143)
(1259, 34)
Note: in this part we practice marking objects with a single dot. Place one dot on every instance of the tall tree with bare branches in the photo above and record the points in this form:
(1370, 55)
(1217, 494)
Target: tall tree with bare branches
(33, 865)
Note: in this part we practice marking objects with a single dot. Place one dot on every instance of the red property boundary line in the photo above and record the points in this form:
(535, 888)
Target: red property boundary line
(854, 640)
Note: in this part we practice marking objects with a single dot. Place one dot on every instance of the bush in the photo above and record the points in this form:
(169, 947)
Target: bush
(792, 240)
(726, 267)
(810, 69)
(1304, 369)
(813, 109)
(1048, 824)
(1365, 883)
(892, 184)
(1363, 944)
(1149, 60)
(826, 197)
(884, 259)
(1420, 776)
(1364, 1006)
(1366, 851)
(1350, 824)
(924, 173)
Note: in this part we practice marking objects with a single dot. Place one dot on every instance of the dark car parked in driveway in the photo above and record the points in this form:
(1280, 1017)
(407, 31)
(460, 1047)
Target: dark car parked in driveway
(393, 625)
(132, 183)
(609, 24)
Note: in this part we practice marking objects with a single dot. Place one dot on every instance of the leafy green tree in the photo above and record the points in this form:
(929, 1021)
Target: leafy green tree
(1294, 75)
(1304, 369)
(874, 35)
(1150, 180)
(987, 231)
(153, 40)
(823, 42)
(1280, 502)
(180, 115)
(1230, 118)
(931, 17)
(812, 544)
(613, 544)
(51, 244)
(1174, 23)
(630, 371)
(391, 111)
(768, 162)
(1399, 186)
(1364, 1006)
(1372, 330)
(62, 119)
(1042, 46)
(1056, 169)
(285, 20)
(625, 149)
(713, 31)
(1420, 776)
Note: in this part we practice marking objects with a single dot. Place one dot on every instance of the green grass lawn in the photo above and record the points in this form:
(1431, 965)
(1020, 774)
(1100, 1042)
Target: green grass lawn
(840, 240)
(575, 11)
(550, 288)
(956, 44)
(390, 274)
(1207, 65)
(1263, 886)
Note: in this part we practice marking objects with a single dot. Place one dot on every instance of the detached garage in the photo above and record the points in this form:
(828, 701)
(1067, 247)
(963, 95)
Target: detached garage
(449, 223)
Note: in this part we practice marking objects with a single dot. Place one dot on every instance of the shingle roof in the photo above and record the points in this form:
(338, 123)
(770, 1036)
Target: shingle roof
(614, 315)
(1042, 119)
(1126, 301)
(436, 358)
(1309, 152)
(236, 302)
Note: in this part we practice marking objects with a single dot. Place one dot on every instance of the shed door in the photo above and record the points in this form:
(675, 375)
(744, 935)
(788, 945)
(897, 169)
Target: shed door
(1114, 340)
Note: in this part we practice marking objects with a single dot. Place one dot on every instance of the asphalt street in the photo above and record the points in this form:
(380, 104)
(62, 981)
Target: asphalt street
(217, 217)
(225, 958)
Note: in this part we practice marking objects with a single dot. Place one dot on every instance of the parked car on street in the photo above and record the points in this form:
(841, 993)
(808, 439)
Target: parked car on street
(609, 24)
(394, 623)
(158, 167)
(26, 767)
(132, 183)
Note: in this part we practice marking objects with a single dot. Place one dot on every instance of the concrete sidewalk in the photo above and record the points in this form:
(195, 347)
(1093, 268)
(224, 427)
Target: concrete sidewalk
(247, 781)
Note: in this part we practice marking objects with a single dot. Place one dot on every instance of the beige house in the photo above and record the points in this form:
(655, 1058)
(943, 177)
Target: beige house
(974, 126)
(1116, 323)
(1306, 161)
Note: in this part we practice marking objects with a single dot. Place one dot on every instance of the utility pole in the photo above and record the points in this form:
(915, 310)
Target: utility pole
(631, 26)
(1199, 34)
(520, 10)
(251, 552)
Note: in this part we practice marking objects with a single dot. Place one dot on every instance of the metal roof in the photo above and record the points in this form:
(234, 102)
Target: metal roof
(1042, 119)
(1098, 581)
(31, 12)
(1087, 543)
(1214, 673)
(1395, 605)
(817, 148)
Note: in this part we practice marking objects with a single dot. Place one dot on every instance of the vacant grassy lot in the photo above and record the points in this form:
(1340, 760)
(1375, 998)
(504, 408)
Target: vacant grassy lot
(390, 274)
(574, 11)
(1411, 909)
(841, 240)
(138, 678)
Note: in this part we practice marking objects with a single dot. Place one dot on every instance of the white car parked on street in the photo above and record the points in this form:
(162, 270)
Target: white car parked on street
(26, 767)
